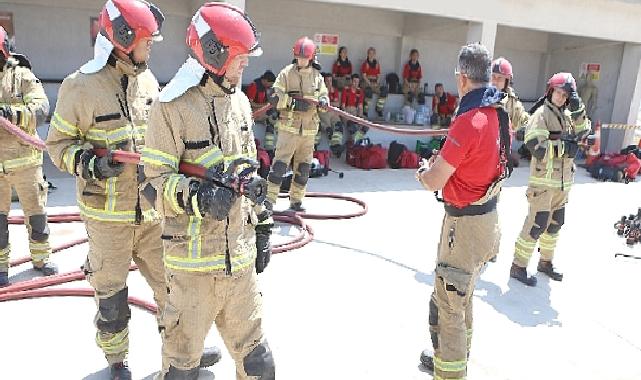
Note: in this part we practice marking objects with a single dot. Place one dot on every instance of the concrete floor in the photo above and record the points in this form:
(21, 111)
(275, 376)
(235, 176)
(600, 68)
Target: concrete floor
(353, 304)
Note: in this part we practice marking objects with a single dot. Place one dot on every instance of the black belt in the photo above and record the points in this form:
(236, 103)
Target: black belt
(472, 210)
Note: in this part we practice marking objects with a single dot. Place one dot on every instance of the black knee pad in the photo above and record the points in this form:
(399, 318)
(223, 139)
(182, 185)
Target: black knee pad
(4, 231)
(278, 171)
(113, 312)
(150, 194)
(39, 227)
(558, 217)
(303, 173)
(181, 374)
(260, 362)
(433, 321)
(540, 224)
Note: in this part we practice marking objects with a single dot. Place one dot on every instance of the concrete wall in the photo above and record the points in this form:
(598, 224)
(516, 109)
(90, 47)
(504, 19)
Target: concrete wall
(607, 19)
(568, 53)
(281, 22)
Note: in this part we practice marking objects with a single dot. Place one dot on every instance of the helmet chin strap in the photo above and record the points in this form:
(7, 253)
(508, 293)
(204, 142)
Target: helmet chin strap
(138, 65)
(220, 81)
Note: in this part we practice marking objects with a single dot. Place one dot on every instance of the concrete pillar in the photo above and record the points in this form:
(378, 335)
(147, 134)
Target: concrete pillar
(483, 32)
(627, 98)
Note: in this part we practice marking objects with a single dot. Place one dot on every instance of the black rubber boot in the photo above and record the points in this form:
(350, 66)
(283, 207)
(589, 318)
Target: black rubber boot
(4, 279)
(427, 360)
(547, 268)
(48, 269)
(120, 371)
(297, 206)
(210, 356)
(182, 374)
(520, 273)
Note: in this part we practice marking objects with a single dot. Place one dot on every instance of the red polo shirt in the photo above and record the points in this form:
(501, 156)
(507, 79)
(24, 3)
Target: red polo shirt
(352, 97)
(412, 74)
(370, 71)
(446, 109)
(334, 96)
(255, 94)
(342, 70)
(472, 147)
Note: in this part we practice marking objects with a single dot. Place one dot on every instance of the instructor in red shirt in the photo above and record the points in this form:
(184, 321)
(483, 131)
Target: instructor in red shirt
(469, 170)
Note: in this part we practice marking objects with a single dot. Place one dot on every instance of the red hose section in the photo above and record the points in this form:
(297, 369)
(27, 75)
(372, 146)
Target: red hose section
(303, 215)
(59, 248)
(72, 292)
(34, 141)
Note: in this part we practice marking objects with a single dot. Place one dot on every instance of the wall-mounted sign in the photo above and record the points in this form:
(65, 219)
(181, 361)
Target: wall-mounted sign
(326, 44)
(591, 69)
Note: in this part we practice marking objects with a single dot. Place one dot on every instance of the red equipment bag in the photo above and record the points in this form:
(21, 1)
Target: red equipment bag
(408, 160)
(323, 158)
(367, 157)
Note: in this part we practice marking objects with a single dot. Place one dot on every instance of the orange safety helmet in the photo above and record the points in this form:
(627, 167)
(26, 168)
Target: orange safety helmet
(304, 48)
(126, 22)
(502, 66)
(218, 33)
(564, 81)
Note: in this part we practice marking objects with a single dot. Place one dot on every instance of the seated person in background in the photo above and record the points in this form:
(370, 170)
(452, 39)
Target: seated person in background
(352, 98)
(371, 71)
(352, 103)
(329, 121)
(443, 106)
(342, 68)
(412, 74)
(258, 91)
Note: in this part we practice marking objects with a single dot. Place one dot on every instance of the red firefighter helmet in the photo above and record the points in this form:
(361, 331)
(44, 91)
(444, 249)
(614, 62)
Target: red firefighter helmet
(4, 43)
(502, 66)
(564, 81)
(126, 22)
(304, 48)
(220, 32)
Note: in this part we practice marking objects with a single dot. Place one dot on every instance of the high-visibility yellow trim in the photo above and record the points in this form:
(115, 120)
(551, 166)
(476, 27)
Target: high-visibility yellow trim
(69, 157)
(210, 263)
(549, 182)
(450, 366)
(64, 126)
(169, 192)
(534, 133)
(159, 158)
(208, 159)
(17, 163)
(118, 343)
(110, 190)
(195, 246)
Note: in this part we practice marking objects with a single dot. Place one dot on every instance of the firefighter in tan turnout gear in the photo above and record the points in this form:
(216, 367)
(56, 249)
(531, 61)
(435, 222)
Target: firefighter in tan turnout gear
(501, 78)
(298, 123)
(556, 126)
(215, 239)
(105, 105)
(22, 102)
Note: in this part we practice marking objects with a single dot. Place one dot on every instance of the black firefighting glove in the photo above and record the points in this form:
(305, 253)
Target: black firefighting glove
(300, 105)
(273, 100)
(207, 199)
(6, 112)
(263, 246)
(575, 106)
(100, 168)
(520, 134)
(571, 147)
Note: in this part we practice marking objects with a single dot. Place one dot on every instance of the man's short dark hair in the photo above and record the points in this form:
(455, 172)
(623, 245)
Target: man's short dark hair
(356, 76)
(269, 76)
(438, 85)
(475, 61)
